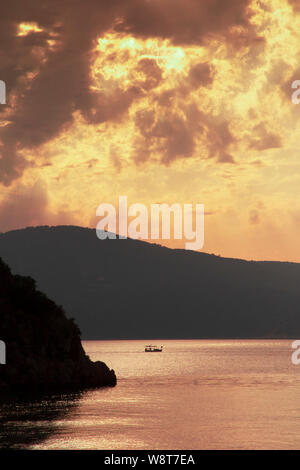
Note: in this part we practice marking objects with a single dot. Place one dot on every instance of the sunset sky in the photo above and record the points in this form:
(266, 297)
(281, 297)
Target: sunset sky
(175, 101)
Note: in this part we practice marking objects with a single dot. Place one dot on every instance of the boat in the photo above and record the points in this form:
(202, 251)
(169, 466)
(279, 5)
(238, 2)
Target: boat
(153, 348)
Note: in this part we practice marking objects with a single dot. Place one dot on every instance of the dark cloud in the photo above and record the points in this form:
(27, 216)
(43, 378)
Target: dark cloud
(201, 75)
(166, 133)
(48, 72)
(295, 4)
(152, 74)
(47, 104)
(192, 22)
(219, 140)
(173, 135)
(97, 107)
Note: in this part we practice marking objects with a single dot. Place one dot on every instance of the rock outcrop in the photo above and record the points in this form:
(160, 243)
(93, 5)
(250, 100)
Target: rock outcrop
(43, 347)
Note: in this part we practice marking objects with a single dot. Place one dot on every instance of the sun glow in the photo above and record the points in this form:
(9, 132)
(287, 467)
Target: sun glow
(120, 55)
(167, 116)
(27, 28)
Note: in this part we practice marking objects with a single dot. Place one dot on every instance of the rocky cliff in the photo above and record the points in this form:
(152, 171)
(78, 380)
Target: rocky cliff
(43, 347)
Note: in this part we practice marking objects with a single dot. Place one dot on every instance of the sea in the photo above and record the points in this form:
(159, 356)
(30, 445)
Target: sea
(196, 394)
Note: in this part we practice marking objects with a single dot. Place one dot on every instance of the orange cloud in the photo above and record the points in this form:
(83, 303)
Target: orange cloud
(176, 101)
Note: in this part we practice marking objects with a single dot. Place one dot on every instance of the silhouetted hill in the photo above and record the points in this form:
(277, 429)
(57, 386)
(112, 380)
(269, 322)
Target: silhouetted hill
(43, 347)
(132, 289)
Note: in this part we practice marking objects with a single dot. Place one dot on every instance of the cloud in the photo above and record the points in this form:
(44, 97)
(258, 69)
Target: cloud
(28, 206)
(152, 73)
(193, 22)
(220, 138)
(264, 139)
(165, 133)
(48, 68)
(254, 217)
(45, 103)
(257, 163)
(295, 5)
(201, 74)
(98, 107)
(116, 159)
(172, 135)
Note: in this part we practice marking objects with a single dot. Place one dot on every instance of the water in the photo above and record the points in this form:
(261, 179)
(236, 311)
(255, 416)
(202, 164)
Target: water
(210, 394)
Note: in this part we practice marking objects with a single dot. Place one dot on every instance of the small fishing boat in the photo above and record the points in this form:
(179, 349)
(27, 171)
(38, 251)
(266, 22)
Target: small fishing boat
(153, 348)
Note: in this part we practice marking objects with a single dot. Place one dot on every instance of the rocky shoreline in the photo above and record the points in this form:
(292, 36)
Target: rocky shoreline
(43, 348)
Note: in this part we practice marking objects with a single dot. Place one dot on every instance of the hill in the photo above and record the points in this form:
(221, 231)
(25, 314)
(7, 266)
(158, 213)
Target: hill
(43, 347)
(132, 289)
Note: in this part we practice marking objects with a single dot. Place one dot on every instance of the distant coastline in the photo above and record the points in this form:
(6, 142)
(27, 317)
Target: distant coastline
(130, 289)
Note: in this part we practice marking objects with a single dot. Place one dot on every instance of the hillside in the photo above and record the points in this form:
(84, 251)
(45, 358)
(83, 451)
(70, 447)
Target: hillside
(132, 289)
(43, 347)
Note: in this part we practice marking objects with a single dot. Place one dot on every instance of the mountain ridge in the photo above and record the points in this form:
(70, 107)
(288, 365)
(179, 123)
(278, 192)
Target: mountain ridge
(131, 289)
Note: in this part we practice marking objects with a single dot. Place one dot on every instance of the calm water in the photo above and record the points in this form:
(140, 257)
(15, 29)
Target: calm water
(194, 395)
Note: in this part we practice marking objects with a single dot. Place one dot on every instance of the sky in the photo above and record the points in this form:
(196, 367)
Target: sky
(164, 101)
